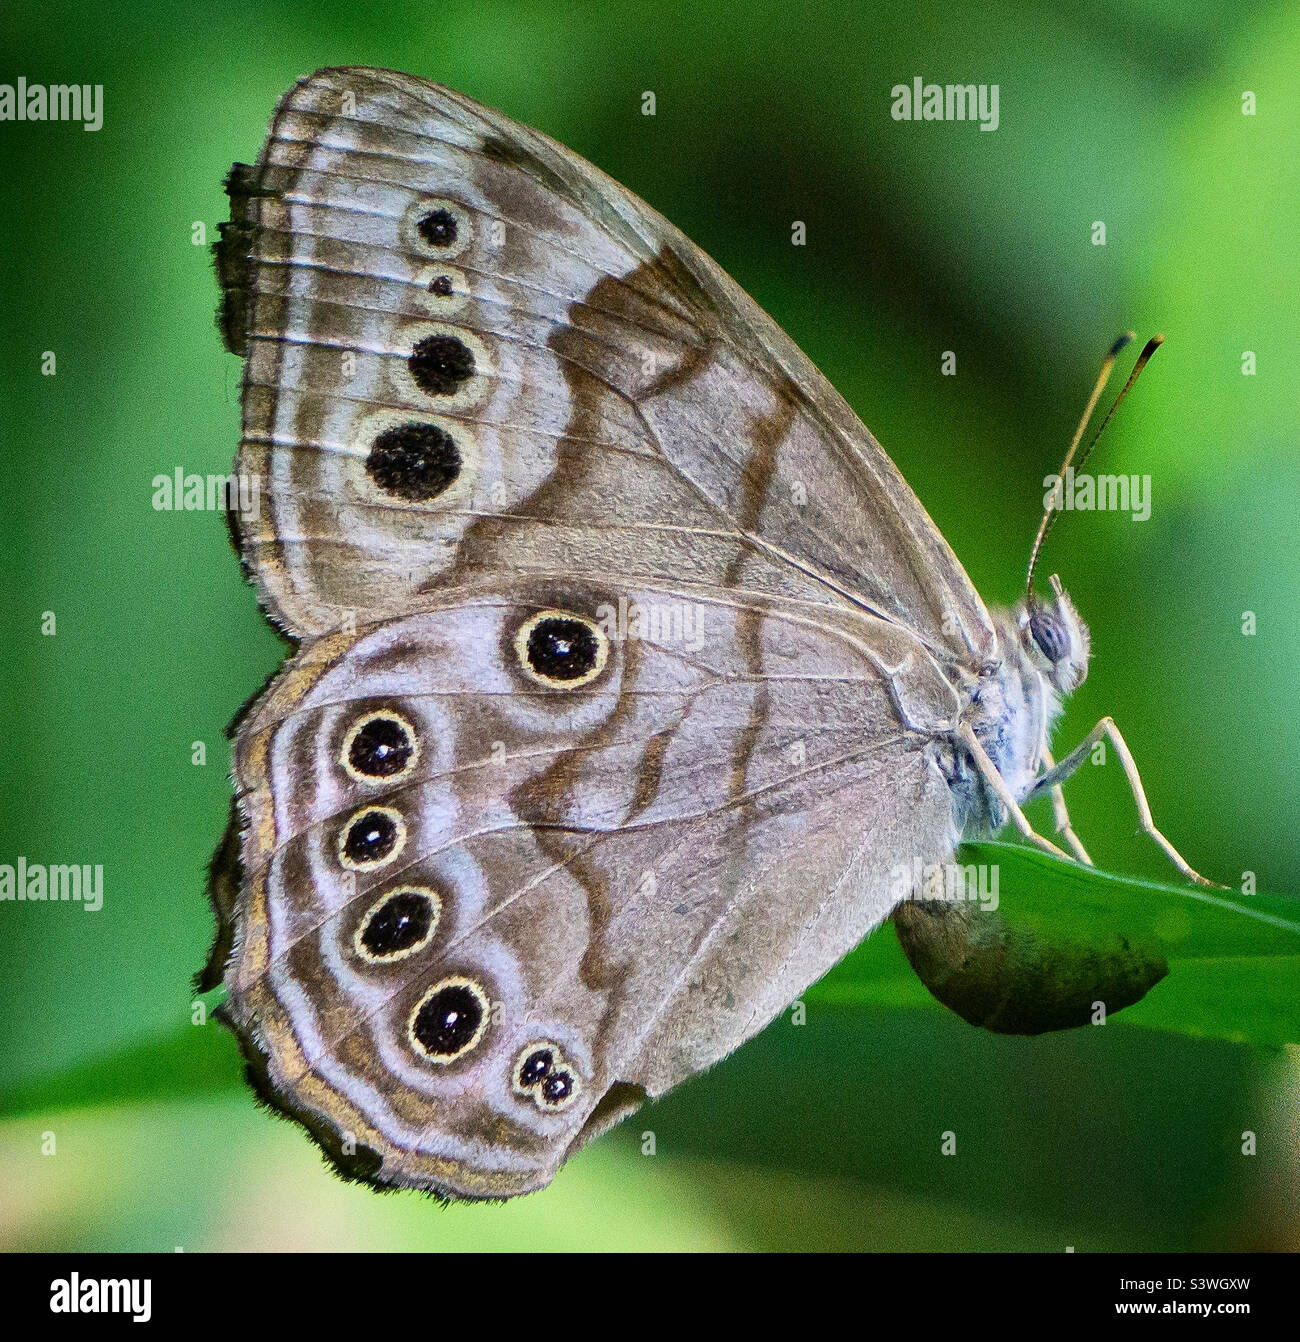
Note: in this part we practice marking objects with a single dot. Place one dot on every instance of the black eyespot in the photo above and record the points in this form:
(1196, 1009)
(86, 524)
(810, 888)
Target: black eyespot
(450, 1020)
(557, 1087)
(441, 286)
(535, 1067)
(414, 461)
(403, 921)
(440, 364)
(562, 648)
(1049, 633)
(370, 837)
(438, 228)
(381, 747)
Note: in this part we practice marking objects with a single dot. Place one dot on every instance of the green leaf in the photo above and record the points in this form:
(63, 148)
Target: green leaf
(1233, 960)
(194, 1060)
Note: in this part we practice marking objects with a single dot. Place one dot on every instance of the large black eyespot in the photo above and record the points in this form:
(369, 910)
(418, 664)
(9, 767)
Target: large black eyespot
(415, 461)
(402, 922)
(438, 228)
(560, 649)
(1049, 633)
(372, 837)
(440, 363)
(380, 745)
(441, 285)
(450, 1020)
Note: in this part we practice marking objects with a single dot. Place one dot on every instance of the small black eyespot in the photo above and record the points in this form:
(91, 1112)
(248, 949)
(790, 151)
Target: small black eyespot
(401, 922)
(440, 363)
(414, 461)
(557, 1087)
(370, 837)
(450, 1020)
(438, 228)
(441, 286)
(561, 648)
(535, 1067)
(1049, 633)
(381, 748)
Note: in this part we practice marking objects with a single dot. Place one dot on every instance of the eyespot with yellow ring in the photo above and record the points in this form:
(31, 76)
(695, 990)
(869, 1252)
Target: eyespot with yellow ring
(372, 838)
(449, 1021)
(560, 649)
(533, 1066)
(437, 228)
(544, 1075)
(447, 368)
(559, 1090)
(380, 747)
(399, 923)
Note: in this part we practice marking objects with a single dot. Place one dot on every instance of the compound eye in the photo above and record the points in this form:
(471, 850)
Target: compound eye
(1049, 633)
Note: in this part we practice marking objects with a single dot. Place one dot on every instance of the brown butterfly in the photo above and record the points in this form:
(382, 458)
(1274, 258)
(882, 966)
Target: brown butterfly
(630, 672)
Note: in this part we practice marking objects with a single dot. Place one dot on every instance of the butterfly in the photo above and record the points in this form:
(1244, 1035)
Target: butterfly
(628, 668)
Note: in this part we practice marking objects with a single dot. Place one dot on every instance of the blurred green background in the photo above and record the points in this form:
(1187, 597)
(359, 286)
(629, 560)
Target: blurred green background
(921, 238)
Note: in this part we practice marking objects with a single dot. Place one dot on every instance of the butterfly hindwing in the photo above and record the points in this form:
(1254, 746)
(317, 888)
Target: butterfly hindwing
(631, 873)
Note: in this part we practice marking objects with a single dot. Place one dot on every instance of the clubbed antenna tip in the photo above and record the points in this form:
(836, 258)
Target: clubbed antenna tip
(1049, 513)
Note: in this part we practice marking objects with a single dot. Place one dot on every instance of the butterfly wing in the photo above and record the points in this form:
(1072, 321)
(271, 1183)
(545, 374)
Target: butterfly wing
(484, 913)
(469, 350)
(481, 914)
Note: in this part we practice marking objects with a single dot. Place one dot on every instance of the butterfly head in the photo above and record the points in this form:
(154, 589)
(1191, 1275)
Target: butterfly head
(1054, 638)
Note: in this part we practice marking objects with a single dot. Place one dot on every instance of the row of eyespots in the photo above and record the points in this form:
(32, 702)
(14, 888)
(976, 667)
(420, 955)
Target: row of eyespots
(417, 461)
(542, 1074)
(379, 747)
(450, 1020)
(559, 649)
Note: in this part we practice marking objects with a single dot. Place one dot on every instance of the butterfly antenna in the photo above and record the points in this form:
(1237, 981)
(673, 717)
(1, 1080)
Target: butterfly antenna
(1108, 364)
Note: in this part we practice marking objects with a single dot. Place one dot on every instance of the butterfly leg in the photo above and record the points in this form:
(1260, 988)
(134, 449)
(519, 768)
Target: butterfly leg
(1062, 816)
(989, 772)
(1106, 728)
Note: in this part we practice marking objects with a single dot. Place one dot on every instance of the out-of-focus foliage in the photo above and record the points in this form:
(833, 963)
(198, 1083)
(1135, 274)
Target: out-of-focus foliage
(921, 238)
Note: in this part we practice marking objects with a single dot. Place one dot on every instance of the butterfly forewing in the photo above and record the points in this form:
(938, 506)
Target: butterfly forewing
(599, 393)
